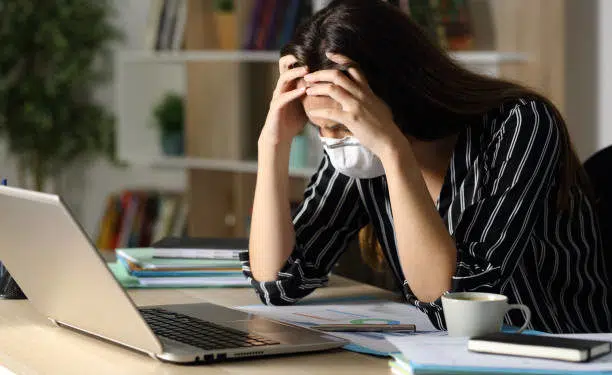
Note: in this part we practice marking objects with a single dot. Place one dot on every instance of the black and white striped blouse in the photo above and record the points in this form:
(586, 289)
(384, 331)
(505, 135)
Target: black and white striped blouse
(498, 202)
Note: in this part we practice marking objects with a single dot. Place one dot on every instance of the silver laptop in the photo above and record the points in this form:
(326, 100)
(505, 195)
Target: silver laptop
(65, 278)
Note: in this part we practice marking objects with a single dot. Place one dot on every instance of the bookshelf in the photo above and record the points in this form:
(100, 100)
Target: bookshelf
(227, 94)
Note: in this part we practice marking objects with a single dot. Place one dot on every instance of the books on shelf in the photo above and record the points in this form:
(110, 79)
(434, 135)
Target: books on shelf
(136, 218)
(269, 24)
(272, 22)
(165, 29)
(200, 248)
(141, 269)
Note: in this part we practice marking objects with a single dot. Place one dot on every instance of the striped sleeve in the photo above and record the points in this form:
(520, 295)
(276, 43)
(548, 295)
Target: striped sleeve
(519, 165)
(329, 216)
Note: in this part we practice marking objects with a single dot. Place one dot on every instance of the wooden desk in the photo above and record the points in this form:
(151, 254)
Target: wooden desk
(30, 344)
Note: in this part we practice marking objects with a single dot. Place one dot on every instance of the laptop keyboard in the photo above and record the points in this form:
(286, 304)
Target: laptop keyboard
(199, 333)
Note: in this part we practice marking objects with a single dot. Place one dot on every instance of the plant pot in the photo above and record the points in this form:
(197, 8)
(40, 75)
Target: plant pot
(173, 143)
(298, 157)
(226, 25)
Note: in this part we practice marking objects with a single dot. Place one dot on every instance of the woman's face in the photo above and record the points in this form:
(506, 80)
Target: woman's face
(327, 128)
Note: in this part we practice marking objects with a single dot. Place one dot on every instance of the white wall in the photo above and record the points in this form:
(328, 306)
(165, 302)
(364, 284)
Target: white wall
(604, 42)
(589, 74)
(581, 74)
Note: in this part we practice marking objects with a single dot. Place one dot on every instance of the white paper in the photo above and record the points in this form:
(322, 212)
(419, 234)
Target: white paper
(452, 351)
(353, 313)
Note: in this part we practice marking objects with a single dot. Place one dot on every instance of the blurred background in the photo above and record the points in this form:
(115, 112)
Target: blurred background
(144, 114)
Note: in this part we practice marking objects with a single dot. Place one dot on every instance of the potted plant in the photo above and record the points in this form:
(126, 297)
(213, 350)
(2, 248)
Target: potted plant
(226, 24)
(169, 116)
(53, 56)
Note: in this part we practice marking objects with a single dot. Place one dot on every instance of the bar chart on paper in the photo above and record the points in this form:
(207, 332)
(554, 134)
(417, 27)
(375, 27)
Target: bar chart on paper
(353, 313)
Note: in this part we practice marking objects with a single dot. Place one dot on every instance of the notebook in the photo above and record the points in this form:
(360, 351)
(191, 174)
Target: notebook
(540, 346)
(202, 248)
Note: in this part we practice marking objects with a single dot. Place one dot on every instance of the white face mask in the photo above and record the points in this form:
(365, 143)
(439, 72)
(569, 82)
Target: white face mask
(351, 158)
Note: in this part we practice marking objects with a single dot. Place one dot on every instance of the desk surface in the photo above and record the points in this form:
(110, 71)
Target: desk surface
(30, 344)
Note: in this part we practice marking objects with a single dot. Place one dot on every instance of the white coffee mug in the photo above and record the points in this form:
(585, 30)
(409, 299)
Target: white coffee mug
(474, 313)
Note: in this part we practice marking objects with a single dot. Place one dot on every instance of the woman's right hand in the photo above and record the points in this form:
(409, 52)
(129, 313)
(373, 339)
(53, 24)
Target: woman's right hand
(286, 116)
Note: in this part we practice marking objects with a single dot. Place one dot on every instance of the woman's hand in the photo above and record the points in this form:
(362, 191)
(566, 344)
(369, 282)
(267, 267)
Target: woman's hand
(362, 112)
(286, 117)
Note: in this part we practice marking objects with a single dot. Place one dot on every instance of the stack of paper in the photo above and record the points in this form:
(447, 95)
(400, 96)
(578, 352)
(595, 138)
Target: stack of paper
(449, 355)
(149, 271)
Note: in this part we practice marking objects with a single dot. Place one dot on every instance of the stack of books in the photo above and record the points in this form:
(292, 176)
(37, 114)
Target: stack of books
(183, 262)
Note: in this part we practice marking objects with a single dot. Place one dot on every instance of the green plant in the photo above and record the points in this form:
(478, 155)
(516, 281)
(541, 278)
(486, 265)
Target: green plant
(224, 6)
(54, 54)
(169, 113)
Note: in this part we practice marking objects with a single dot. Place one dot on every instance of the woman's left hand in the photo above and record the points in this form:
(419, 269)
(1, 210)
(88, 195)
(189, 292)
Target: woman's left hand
(362, 112)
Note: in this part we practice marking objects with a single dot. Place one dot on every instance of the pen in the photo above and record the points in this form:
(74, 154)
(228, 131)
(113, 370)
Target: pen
(366, 327)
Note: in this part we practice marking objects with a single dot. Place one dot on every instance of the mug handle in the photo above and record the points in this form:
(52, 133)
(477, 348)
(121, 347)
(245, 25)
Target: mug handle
(525, 310)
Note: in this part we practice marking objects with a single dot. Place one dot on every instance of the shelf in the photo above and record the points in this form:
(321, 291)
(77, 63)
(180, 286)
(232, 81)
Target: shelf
(199, 56)
(488, 57)
(468, 57)
(215, 165)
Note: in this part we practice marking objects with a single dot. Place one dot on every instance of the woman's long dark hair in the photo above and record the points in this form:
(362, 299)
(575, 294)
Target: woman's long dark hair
(430, 95)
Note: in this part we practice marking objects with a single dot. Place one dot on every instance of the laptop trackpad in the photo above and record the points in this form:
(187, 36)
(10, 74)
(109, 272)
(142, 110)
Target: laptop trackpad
(260, 325)
(285, 334)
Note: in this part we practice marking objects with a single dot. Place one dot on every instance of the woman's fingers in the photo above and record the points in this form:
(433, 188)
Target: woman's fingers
(353, 71)
(288, 96)
(348, 102)
(338, 78)
(287, 78)
(285, 62)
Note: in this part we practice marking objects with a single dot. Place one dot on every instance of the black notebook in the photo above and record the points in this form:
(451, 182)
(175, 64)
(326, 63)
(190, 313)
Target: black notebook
(539, 346)
(200, 247)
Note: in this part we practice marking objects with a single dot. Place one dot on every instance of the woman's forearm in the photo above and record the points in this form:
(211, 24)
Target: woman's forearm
(272, 236)
(426, 250)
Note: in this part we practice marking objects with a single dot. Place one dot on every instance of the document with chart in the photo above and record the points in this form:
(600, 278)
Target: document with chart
(370, 312)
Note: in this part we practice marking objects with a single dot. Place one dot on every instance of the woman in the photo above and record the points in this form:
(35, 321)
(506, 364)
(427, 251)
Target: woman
(469, 182)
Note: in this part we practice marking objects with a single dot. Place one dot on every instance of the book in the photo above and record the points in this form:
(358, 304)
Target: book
(132, 282)
(200, 248)
(136, 218)
(142, 259)
(184, 282)
(139, 272)
(537, 346)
